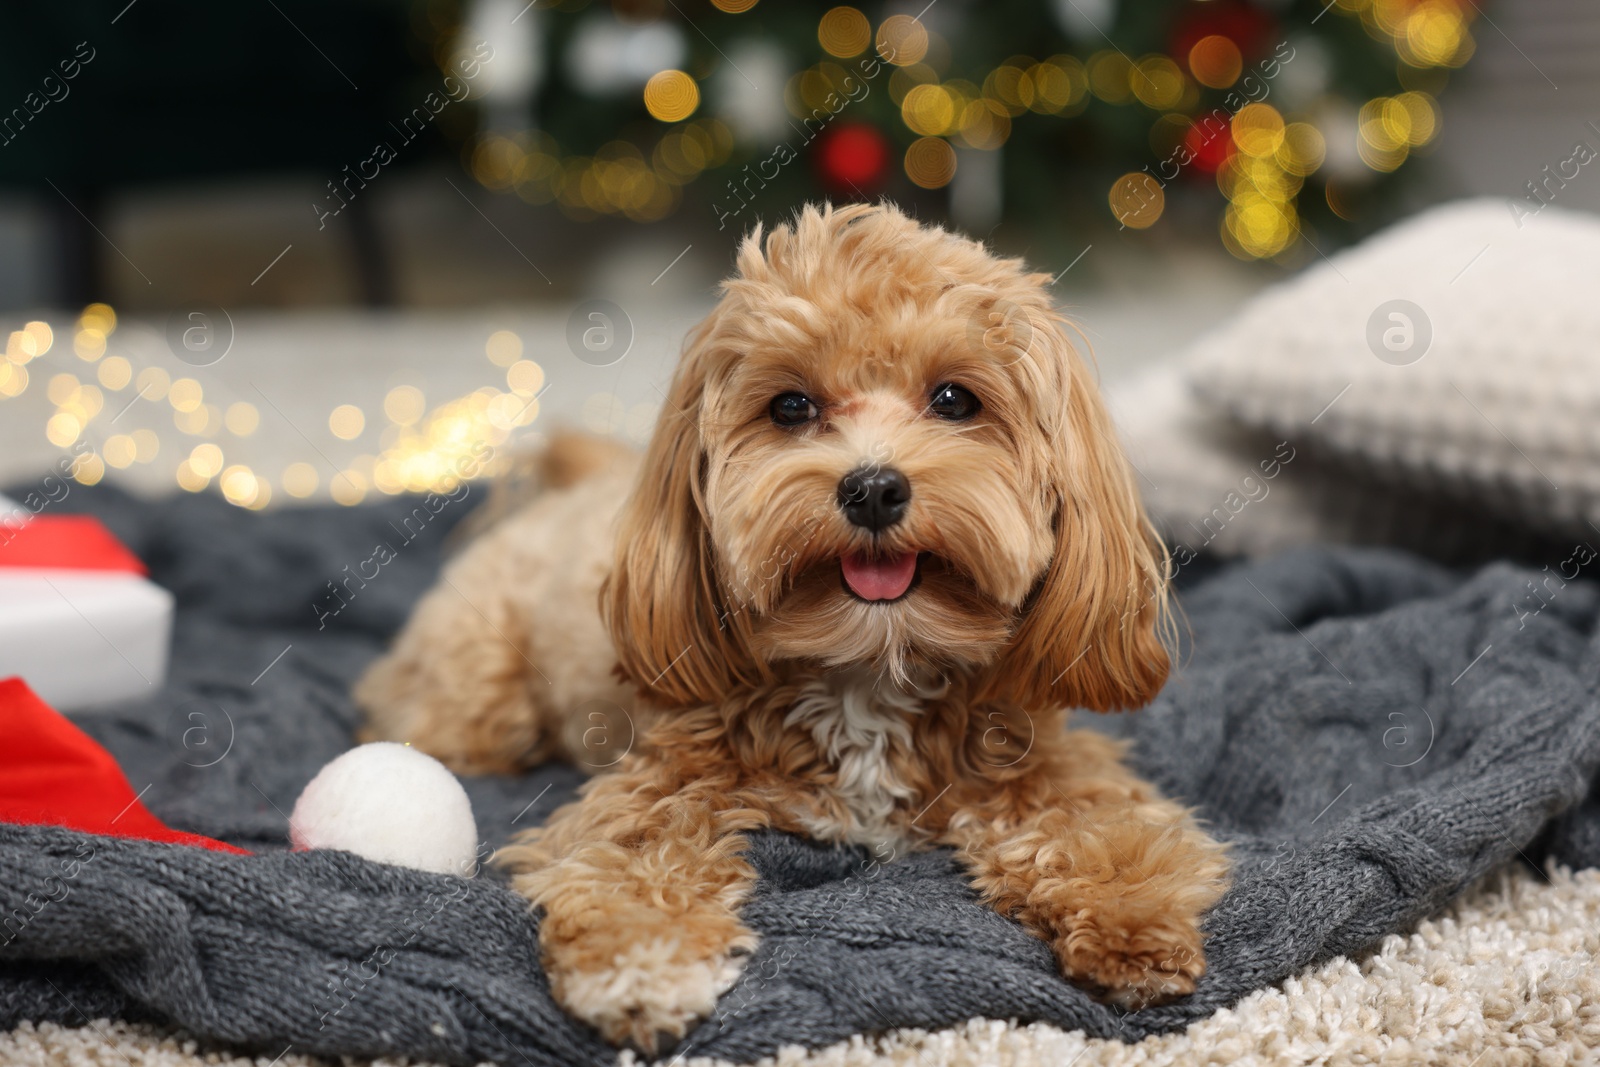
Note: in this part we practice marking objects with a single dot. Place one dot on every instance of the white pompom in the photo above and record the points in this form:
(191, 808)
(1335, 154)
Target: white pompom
(392, 804)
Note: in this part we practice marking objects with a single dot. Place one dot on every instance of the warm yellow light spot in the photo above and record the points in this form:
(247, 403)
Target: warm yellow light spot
(1110, 77)
(89, 470)
(119, 450)
(89, 400)
(495, 161)
(1434, 34)
(671, 96)
(1255, 227)
(61, 388)
(90, 345)
(239, 486)
(146, 445)
(1057, 84)
(525, 377)
(1422, 117)
(1157, 82)
(13, 379)
(153, 383)
(1385, 133)
(984, 125)
(902, 40)
(346, 422)
(504, 347)
(1258, 129)
(43, 337)
(1137, 200)
(1010, 87)
(114, 373)
(928, 110)
(348, 487)
(734, 7)
(1303, 149)
(508, 411)
(63, 429)
(405, 404)
(1215, 61)
(241, 418)
(300, 479)
(189, 479)
(386, 477)
(263, 495)
(98, 317)
(185, 394)
(192, 423)
(20, 347)
(1246, 175)
(844, 32)
(206, 460)
(930, 162)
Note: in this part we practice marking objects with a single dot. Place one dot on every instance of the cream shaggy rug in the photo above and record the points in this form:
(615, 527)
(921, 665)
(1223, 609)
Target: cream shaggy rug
(1509, 974)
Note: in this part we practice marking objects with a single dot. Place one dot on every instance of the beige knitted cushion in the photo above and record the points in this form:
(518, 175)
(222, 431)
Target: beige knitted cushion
(1457, 352)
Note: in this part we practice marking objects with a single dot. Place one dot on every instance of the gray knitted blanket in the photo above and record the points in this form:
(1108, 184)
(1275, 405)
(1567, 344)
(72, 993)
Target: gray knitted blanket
(1370, 731)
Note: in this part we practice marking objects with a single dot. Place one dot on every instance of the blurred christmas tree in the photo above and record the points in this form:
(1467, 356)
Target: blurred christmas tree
(1266, 122)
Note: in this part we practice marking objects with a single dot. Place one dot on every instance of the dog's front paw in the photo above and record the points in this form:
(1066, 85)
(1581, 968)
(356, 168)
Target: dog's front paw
(657, 983)
(1132, 964)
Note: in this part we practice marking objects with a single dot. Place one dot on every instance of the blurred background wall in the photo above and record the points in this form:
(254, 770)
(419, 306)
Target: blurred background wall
(280, 239)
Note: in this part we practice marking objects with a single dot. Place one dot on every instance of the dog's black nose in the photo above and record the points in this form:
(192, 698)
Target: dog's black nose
(874, 497)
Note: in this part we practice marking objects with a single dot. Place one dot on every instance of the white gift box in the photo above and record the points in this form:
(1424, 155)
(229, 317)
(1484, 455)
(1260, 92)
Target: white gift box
(78, 620)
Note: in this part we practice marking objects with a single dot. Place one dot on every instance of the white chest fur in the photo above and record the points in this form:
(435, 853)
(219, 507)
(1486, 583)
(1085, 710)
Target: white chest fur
(857, 719)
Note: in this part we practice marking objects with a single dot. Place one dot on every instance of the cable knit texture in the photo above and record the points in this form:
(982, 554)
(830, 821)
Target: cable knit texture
(1338, 719)
(1484, 385)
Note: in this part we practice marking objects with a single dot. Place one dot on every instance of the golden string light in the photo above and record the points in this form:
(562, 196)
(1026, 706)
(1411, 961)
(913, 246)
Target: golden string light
(930, 162)
(421, 449)
(844, 32)
(1215, 61)
(671, 96)
(1137, 200)
(902, 40)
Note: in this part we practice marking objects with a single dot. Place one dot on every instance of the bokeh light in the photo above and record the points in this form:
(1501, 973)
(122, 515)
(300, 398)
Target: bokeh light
(153, 383)
(844, 32)
(1137, 200)
(1157, 82)
(902, 40)
(185, 394)
(241, 418)
(503, 348)
(671, 96)
(1215, 61)
(930, 162)
(1258, 129)
(525, 378)
(300, 480)
(346, 422)
(205, 460)
(114, 372)
(405, 404)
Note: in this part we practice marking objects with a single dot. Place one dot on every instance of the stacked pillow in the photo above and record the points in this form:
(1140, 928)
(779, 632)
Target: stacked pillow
(1437, 386)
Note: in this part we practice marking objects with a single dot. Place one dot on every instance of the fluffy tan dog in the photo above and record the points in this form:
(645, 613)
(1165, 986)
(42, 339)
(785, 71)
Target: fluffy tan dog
(881, 539)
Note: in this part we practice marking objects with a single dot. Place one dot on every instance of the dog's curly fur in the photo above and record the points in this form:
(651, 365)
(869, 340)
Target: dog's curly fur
(766, 693)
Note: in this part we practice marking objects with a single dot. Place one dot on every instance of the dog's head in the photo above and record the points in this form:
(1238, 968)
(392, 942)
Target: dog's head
(880, 448)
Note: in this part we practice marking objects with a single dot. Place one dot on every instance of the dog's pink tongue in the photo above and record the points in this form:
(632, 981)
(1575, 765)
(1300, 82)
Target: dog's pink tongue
(884, 578)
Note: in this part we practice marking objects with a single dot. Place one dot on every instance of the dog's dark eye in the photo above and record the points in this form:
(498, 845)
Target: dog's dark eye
(792, 409)
(950, 401)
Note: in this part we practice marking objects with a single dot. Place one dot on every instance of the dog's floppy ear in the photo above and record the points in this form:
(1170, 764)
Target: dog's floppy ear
(662, 601)
(1092, 632)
